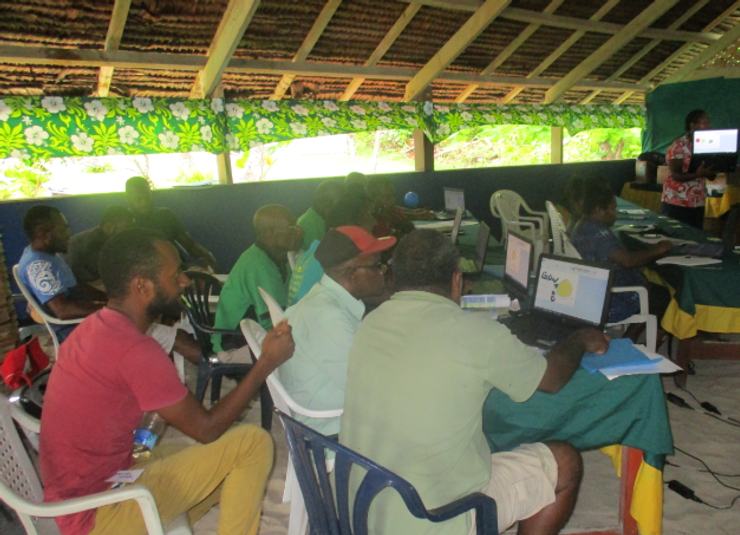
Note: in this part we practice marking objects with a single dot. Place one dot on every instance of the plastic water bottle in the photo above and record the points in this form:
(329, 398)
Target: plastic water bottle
(147, 435)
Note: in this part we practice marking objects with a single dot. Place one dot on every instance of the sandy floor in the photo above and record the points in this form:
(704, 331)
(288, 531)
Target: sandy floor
(713, 441)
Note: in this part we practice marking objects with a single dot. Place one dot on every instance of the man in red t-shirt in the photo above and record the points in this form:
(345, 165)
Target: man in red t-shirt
(108, 373)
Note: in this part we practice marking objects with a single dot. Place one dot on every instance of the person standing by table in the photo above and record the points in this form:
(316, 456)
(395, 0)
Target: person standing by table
(683, 191)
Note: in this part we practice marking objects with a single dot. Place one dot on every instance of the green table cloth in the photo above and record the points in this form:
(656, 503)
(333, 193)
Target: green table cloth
(705, 298)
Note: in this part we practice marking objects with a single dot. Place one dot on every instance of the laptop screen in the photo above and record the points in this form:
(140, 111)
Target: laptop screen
(573, 289)
(481, 246)
(456, 225)
(518, 261)
(454, 199)
(715, 141)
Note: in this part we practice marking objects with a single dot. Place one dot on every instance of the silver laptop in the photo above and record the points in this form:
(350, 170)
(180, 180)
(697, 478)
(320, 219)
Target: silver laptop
(475, 268)
(454, 199)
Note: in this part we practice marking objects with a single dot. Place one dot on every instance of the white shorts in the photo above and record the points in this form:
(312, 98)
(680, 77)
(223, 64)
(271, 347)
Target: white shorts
(523, 482)
(164, 335)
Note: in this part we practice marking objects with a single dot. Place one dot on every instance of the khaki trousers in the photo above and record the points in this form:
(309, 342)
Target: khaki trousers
(231, 471)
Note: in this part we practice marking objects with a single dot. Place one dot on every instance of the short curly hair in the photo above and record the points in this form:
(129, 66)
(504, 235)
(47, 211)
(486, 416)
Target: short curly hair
(37, 217)
(425, 260)
(126, 255)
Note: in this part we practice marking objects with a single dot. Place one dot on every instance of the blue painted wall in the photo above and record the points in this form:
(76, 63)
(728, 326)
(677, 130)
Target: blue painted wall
(220, 217)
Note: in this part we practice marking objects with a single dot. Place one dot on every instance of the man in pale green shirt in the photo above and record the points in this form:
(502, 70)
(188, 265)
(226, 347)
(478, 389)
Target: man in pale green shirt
(324, 322)
(350, 211)
(419, 371)
(313, 221)
(264, 265)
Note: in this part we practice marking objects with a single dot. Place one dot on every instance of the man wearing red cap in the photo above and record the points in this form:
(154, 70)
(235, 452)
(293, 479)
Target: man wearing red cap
(324, 322)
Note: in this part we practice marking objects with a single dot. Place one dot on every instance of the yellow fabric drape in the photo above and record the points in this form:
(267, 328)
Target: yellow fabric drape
(647, 495)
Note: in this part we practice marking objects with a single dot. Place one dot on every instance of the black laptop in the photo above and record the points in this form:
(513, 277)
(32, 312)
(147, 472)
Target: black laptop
(517, 267)
(473, 268)
(569, 294)
(713, 250)
(716, 149)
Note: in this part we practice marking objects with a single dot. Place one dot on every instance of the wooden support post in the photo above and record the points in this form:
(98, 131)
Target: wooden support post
(223, 160)
(556, 144)
(423, 151)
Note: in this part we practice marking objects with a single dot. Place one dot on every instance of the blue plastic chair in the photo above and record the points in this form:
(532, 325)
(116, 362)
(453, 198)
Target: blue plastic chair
(307, 449)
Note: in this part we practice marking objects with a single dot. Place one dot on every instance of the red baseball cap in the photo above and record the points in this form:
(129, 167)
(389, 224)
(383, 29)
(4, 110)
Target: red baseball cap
(345, 243)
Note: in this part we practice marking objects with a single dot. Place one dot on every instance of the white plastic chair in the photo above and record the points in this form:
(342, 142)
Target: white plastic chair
(276, 311)
(507, 205)
(21, 490)
(48, 320)
(255, 334)
(557, 227)
(643, 316)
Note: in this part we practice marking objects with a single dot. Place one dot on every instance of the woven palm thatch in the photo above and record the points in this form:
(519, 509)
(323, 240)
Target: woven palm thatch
(157, 48)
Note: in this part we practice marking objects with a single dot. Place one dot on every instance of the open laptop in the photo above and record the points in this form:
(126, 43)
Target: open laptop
(713, 250)
(456, 226)
(717, 149)
(569, 294)
(473, 268)
(454, 199)
(518, 266)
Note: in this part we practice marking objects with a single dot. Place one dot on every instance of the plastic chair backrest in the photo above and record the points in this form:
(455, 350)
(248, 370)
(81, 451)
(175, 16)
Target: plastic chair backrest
(36, 306)
(196, 296)
(329, 513)
(569, 249)
(557, 227)
(276, 311)
(255, 335)
(18, 478)
(508, 204)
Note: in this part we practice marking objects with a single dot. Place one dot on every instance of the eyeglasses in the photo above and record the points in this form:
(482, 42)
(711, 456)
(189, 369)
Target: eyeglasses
(378, 265)
(289, 228)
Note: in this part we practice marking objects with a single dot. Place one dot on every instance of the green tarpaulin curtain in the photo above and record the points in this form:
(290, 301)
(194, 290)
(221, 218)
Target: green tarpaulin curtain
(45, 127)
(668, 105)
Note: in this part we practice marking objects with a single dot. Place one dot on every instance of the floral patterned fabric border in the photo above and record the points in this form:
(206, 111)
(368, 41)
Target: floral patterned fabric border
(575, 118)
(254, 122)
(44, 127)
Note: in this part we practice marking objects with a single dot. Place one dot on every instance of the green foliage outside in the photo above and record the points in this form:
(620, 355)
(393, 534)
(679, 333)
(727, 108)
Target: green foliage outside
(194, 177)
(493, 146)
(26, 179)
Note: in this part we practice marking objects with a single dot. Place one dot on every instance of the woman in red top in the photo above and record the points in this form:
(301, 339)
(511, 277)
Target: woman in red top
(683, 192)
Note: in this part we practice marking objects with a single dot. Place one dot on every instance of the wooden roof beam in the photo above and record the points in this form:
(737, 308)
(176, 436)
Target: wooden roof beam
(559, 51)
(67, 57)
(608, 49)
(705, 55)
(652, 44)
(230, 31)
(508, 51)
(574, 23)
(467, 33)
(382, 48)
(308, 43)
(112, 42)
(658, 69)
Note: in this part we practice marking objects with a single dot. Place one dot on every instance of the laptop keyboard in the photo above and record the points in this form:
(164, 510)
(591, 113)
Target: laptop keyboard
(468, 266)
(531, 329)
(489, 287)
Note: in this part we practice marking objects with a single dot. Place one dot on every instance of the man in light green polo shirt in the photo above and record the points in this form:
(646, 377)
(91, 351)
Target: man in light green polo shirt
(263, 265)
(313, 220)
(324, 322)
(420, 369)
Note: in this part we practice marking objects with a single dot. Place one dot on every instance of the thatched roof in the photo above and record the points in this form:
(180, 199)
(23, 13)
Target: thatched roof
(599, 51)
